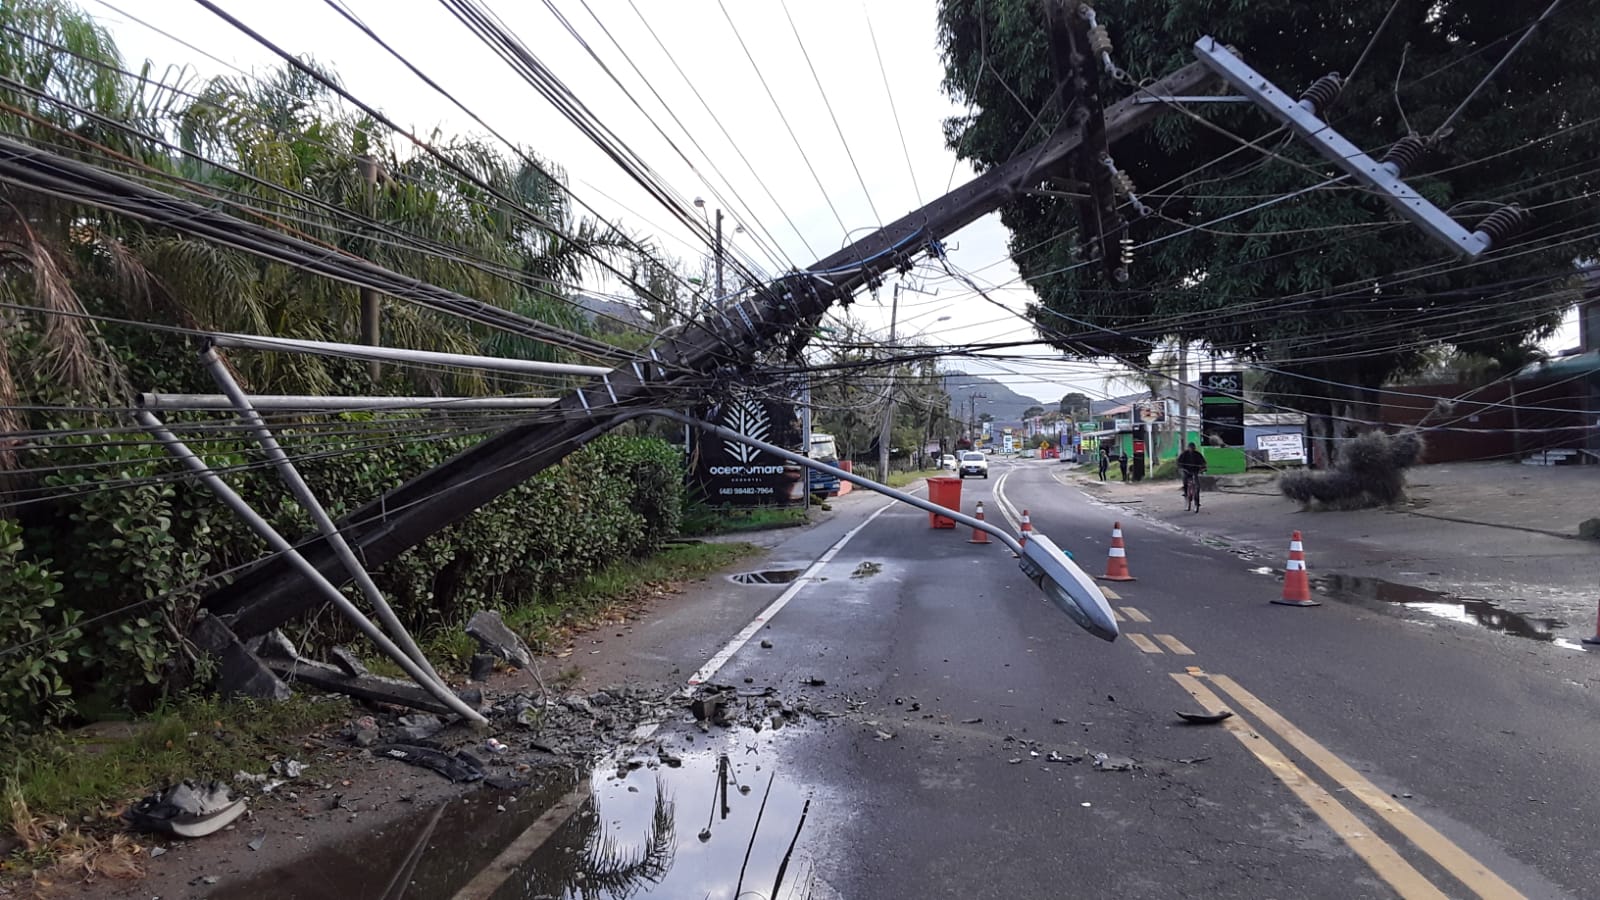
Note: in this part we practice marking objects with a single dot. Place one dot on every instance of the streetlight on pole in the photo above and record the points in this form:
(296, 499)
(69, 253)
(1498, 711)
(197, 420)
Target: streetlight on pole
(717, 293)
(886, 429)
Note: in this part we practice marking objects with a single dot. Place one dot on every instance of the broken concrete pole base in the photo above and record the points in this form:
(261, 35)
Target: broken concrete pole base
(495, 637)
(240, 672)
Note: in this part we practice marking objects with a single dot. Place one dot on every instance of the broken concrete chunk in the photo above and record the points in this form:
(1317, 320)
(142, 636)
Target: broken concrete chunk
(240, 673)
(419, 727)
(494, 636)
(1105, 762)
(347, 663)
(274, 645)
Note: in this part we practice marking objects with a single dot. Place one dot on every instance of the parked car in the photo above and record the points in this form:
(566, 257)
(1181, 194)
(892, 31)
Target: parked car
(974, 463)
(947, 462)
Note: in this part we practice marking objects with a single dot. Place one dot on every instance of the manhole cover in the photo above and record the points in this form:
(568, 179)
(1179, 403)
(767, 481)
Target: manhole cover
(769, 576)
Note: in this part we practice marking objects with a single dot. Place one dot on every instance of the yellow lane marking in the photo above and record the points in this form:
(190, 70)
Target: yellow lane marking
(1110, 594)
(1455, 860)
(1135, 615)
(1176, 646)
(1118, 616)
(1143, 643)
(1388, 864)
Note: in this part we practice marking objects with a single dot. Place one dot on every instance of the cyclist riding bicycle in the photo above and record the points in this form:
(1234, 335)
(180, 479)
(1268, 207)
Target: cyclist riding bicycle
(1191, 463)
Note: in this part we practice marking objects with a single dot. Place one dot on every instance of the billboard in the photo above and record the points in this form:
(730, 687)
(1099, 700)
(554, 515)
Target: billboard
(737, 474)
(1222, 407)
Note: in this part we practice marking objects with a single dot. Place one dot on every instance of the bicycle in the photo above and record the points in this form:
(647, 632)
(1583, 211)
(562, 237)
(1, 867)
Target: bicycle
(1191, 491)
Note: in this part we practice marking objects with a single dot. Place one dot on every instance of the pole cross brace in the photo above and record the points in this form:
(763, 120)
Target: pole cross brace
(1302, 119)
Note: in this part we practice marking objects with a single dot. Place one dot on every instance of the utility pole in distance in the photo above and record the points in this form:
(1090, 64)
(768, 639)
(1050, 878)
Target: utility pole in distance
(371, 309)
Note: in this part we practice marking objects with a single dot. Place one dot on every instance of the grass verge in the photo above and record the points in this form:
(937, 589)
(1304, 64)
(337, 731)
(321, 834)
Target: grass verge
(901, 479)
(706, 521)
(547, 622)
(65, 790)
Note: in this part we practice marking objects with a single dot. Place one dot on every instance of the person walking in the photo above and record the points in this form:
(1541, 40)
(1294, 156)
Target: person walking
(1191, 463)
(1105, 462)
(1122, 464)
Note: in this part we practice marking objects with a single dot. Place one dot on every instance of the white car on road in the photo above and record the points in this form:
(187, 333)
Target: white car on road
(974, 463)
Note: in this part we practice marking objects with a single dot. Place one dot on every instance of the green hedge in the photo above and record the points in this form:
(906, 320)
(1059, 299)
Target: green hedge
(97, 586)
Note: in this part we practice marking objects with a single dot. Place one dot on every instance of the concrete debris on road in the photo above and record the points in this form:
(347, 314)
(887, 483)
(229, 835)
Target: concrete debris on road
(1105, 762)
(495, 637)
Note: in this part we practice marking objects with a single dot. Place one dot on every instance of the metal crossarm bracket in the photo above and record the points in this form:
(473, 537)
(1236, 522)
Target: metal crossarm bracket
(1301, 118)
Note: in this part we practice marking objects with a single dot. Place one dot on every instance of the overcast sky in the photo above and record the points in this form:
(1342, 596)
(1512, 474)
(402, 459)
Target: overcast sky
(763, 176)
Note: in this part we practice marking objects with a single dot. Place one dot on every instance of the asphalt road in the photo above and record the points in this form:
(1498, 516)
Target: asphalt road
(1371, 755)
(946, 732)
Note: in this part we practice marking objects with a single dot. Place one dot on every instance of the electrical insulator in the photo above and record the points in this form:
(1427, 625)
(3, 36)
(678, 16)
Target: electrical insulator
(1404, 154)
(1322, 92)
(1099, 39)
(1503, 222)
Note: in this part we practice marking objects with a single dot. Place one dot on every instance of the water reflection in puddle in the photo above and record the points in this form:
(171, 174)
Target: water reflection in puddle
(706, 825)
(718, 826)
(1440, 605)
(768, 576)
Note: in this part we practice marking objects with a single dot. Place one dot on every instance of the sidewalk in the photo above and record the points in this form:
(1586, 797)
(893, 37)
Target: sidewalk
(1491, 531)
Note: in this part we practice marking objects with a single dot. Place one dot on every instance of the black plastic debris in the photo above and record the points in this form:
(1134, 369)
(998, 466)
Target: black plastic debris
(187, 810)
(1208, 718)
(458, 766)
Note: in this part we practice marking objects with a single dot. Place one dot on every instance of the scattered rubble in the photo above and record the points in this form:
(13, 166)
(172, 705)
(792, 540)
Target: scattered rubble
(347, 662)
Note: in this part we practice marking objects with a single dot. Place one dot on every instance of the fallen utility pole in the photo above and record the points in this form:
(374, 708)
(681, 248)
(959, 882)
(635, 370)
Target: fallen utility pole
(275, 592)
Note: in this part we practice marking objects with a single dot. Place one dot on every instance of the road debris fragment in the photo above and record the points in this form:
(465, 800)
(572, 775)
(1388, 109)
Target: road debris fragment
(1208, 718)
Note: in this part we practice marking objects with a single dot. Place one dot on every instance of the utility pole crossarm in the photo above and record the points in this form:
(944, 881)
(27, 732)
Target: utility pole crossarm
(272, 593)
(1381, 175)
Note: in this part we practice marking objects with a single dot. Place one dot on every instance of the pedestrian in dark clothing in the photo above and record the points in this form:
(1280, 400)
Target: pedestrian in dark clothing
(1105, 462)
(1122, 464)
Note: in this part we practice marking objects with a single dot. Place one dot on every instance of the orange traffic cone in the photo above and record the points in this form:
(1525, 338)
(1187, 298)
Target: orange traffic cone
(1296, 583)
(1027, 529)
(979, 536)
(1117, 560)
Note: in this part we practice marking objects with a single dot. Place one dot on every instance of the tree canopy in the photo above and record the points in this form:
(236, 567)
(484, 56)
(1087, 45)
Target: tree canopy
(1330, 292)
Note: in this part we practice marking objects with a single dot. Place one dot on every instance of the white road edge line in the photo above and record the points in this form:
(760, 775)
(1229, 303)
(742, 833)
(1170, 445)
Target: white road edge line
(749, 631)
(1006, 509)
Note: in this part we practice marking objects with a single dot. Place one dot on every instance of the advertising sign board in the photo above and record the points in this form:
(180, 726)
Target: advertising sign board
(1222, 407)
(729, 472)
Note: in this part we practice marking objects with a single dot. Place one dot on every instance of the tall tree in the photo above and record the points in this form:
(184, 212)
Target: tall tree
(1330, 290)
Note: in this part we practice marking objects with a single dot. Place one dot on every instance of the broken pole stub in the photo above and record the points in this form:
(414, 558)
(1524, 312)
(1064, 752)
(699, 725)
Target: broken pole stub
(495, 637)
(240, 673)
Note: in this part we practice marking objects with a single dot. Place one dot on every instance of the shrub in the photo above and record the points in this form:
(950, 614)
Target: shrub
(39, 636)
(1370, 472)
(142, 549)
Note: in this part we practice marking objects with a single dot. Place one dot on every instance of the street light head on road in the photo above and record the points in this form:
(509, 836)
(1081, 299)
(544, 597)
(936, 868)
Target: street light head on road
(1068, 587)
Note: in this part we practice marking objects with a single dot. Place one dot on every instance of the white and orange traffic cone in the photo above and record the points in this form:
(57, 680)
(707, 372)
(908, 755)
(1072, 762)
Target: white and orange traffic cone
(1296, 583)
(979, 536)
(1117, 558)
(1027, 529)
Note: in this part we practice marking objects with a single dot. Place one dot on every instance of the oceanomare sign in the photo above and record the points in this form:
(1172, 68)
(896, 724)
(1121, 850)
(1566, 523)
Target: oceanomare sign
(734, 473)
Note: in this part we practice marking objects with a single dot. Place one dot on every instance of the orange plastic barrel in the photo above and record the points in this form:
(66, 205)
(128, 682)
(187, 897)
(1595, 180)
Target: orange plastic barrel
(946, 492)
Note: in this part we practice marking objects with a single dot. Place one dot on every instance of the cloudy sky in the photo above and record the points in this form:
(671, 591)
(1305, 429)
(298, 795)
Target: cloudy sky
(818, 161)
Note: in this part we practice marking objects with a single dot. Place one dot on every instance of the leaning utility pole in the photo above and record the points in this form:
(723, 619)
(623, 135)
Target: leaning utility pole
(731, 336)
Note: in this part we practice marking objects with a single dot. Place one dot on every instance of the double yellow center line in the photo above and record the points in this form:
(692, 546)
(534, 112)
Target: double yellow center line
(1383, 858)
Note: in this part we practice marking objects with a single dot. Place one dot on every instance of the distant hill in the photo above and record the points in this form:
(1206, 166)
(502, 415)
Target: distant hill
(1002, 402)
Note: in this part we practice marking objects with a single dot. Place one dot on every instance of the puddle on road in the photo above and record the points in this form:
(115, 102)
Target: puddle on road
(1440, 605)
(768, 576)
(723, 825)
(705, 824)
